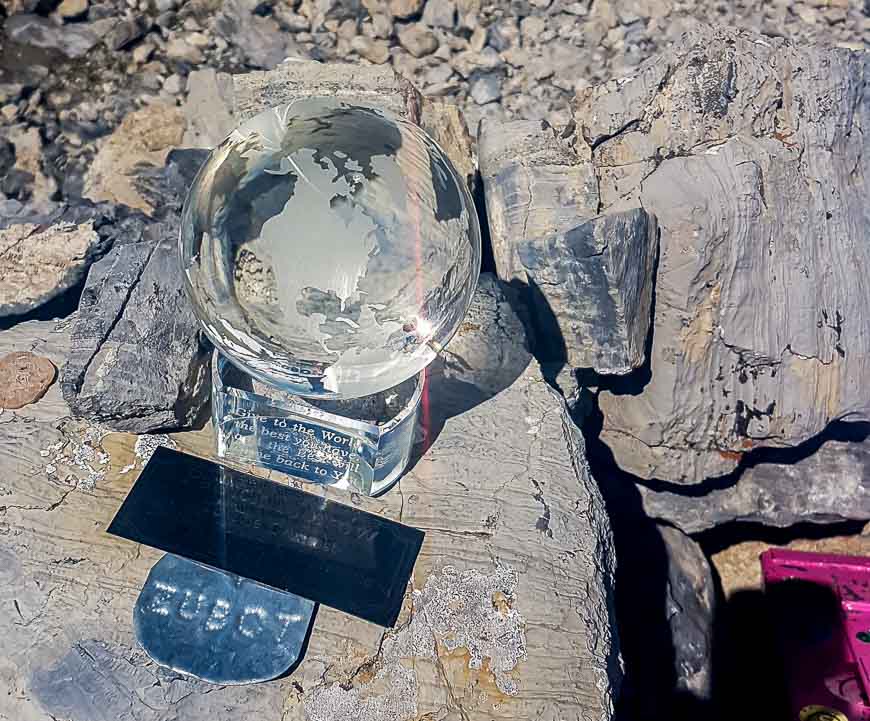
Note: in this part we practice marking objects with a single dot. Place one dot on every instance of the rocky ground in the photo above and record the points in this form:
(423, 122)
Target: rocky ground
(97, 98)
(70, 72)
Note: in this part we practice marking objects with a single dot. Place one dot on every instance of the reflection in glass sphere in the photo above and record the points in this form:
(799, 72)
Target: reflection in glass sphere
(330, 249)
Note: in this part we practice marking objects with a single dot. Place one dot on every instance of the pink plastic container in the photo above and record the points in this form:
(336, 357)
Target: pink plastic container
(821, 604)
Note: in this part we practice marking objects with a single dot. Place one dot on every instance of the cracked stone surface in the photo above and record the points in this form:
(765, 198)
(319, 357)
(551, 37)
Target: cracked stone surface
(690, 604)
(138, 361)
(827, 485)
(591, 289)
(535, 184)
(43, 255)
(509, 614)
(749, 150)
(589, 278)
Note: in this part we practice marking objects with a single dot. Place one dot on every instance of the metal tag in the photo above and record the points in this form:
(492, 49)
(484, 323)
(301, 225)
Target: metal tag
(218, 626)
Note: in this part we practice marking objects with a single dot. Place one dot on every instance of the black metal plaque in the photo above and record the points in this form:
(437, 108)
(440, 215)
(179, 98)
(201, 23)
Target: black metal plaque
(288, 539)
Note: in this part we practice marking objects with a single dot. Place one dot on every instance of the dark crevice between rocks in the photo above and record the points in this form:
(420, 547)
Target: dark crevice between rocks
(487, 258)
(641, 588)
(721, 537)
(836, 431)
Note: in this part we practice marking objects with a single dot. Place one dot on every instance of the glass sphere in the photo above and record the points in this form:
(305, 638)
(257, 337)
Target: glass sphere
(330, 249)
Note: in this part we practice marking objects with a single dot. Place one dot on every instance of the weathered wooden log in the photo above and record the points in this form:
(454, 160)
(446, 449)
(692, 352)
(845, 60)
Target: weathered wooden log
(535, 185)
(138, 360)
(826, 485)
(751, 153)
(509, 614)
(590, 282)
(591, 290)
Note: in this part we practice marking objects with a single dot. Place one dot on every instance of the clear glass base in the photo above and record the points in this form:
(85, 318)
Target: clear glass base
(361, 445)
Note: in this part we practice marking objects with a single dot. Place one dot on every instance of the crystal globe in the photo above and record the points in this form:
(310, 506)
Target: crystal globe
(330, 249)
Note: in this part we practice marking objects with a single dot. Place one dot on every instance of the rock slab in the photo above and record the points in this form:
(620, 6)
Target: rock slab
(138, 361)
(535, 184)
(751, 153)
(828, 484)
(690, 608)
(44, 255)
(591, 290)
(590, 278)
(512, 594)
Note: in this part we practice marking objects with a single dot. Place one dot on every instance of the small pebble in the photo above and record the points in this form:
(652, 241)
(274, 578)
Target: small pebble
(406, 8)
(440, 14)
(70, 9)
(142, 52)
(418, 41)
(197, 39)
(24, 379)
(178, 49)
(173, 84)
(478, 39)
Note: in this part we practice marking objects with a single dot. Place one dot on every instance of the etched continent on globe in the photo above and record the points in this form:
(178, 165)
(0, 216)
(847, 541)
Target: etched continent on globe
(330, 249)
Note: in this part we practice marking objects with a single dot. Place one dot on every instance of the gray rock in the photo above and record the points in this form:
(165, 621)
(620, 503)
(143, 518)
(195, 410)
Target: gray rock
(138, 361)
(504, 34)
(417, 40)
(127, 32)
(174, 84)
(405, 8)
(759, 186)
(513, 577)
(71, 40)
(375, 51)
(535, 186)
(179, 49)
(826, 485)
(41, 256)
(440, 14)
(690, 606)
(490, 350)
(208, 108)
(485, 88)
(260, 39)
(591, 283)
(591, 290)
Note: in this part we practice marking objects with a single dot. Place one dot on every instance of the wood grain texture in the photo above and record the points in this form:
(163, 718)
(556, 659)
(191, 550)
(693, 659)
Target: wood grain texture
(509, 614)
(751, 152)
(536, 185)
(828, 485)
(590, 278)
